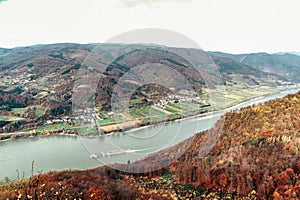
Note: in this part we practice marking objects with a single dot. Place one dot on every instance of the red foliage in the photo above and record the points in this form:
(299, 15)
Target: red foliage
(290, 172)
(297, 167)
(97, 194)
(286, 192)
(282, 179)
(216, 150)
(223, 180)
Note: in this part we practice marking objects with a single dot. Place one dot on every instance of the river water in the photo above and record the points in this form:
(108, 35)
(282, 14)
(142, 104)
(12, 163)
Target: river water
(53, 153)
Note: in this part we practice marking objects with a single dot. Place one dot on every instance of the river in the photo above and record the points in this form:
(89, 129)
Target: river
(51, 153)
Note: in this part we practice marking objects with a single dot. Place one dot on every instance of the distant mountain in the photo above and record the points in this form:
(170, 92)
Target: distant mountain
(45, 74)
(233, 70)
(284, 64)
(282, 53)
(3, 51)
(295, 53)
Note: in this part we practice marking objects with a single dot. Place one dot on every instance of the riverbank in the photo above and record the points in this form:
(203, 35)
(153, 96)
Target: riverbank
(59, 152)
(20, 135)
(203, 114)
(131, 125)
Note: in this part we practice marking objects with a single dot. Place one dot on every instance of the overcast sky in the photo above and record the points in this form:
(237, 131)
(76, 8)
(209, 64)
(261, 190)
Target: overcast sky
(235, 26)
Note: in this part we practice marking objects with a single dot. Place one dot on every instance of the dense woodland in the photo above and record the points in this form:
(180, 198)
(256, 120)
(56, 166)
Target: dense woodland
(249, 154)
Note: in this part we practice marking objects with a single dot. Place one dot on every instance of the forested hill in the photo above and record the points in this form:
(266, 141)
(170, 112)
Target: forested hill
(254, 154)
(284, 64)
(257, 151)
(37, 82)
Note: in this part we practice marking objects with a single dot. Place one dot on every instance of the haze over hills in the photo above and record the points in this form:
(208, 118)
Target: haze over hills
(44, 75)
(295, 53)
(284, 64)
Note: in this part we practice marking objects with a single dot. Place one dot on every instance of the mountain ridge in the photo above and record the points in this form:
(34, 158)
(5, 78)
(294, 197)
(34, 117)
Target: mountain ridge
(284, 64)
(46, 74)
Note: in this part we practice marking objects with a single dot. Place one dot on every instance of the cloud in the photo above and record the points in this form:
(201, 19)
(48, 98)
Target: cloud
(133, 3)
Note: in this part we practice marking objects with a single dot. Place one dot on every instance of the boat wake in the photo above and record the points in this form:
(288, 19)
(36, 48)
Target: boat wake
(121, 151)
(112, 153)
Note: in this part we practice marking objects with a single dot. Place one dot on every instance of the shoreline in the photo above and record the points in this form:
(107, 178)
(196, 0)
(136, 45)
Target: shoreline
(130, 126)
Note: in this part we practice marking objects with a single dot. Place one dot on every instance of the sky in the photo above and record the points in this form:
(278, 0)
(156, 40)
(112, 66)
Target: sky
(233, 26)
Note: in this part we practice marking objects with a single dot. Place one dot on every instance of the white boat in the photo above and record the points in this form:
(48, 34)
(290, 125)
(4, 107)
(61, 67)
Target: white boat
(111, 153)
